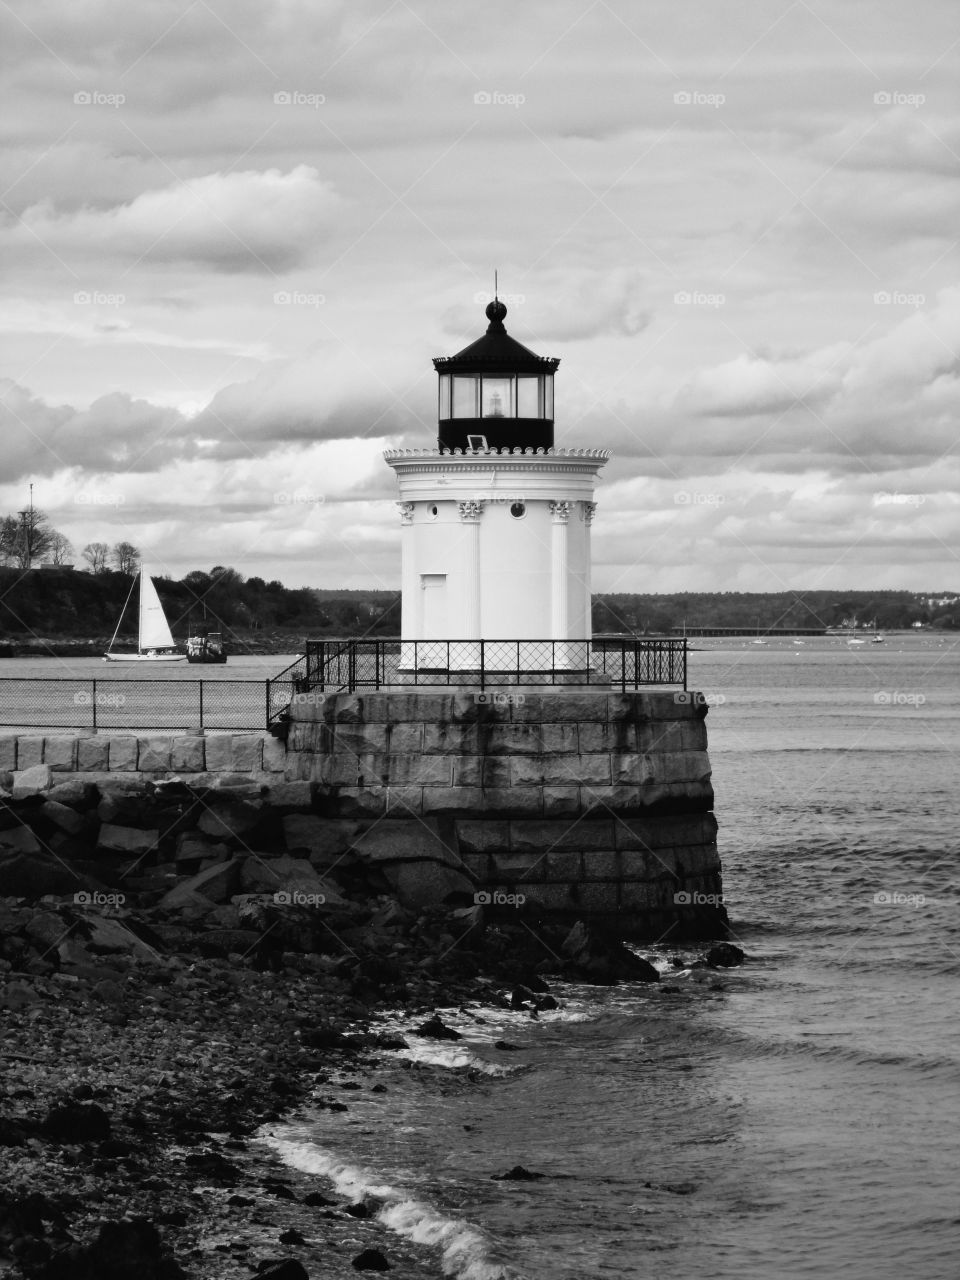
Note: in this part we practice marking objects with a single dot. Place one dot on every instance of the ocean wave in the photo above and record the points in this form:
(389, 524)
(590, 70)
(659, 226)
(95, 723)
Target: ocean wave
(756, 1044)
(465, 1250)
(454, 1057)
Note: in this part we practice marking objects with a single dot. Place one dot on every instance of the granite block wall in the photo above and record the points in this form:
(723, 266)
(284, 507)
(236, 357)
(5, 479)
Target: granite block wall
(582, 802)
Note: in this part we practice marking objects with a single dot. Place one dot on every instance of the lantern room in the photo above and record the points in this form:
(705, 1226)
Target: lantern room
(495, 393)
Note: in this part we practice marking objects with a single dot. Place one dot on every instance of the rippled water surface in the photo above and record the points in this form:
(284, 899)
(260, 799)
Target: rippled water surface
(793, 1118)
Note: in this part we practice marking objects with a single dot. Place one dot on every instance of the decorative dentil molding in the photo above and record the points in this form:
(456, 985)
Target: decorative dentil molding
(501, 453)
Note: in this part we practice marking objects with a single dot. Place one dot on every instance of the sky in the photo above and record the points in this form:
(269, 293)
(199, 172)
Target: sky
(234, 235)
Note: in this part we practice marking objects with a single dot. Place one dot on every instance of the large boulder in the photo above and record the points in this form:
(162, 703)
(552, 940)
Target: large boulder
(63, 816)
(46, 929)
(217, 883)
(127, 1250)
(194, 847)
(75, 1122)
(31, 875)
(107, 935)
(290, 881)
(425, 884)
(724, 955)
(79, 795)
(402, 840)
(592, 957)
(370, 1260)
(118, 839)
(184, 898)
(32, 781)
(281, 1269)
(229, 819)
(21, 838)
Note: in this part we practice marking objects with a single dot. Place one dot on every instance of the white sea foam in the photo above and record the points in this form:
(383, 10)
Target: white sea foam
(455, 1057)
(465, 1252)
(464, 1249)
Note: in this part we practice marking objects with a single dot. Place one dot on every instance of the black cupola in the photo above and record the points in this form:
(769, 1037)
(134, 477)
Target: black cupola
(496, 393)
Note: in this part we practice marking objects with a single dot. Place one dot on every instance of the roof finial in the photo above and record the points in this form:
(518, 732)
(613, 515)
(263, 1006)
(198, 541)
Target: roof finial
(495, 310)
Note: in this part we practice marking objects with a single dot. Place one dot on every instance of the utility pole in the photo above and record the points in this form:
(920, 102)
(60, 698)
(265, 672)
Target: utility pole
(26, 534)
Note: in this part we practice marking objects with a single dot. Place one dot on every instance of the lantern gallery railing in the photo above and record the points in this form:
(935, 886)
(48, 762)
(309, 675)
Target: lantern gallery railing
(618, 662)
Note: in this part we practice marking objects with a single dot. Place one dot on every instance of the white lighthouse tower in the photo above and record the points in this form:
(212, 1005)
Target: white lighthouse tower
(495, 521)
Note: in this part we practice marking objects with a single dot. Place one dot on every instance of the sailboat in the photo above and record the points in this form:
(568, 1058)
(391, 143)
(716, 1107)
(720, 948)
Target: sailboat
(154, 638)
(854, 639)
(876, 638)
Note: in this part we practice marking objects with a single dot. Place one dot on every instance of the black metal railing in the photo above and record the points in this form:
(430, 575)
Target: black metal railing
(154, 704)
(346, 665)
(283, 688)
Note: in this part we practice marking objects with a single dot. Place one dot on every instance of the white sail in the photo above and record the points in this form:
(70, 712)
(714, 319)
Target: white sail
(154, 629)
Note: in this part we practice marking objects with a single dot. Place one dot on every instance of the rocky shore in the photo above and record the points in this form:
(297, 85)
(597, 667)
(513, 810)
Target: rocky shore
(181, 964)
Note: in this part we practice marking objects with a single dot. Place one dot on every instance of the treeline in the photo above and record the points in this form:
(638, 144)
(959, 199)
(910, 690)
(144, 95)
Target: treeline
(61, 602)
(893, 610)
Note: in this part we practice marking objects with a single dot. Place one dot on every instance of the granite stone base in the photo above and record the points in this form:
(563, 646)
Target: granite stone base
(578, 803)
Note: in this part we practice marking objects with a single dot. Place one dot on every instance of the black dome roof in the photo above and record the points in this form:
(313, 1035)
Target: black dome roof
(496, 351)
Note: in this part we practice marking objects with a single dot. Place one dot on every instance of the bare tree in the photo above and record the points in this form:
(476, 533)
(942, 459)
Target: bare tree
(9, 529)
(25, 537)
(61, 548)
(126, 557)
(95, 553)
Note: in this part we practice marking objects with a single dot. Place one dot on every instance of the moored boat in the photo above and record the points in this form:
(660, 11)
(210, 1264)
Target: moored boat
(205, 646)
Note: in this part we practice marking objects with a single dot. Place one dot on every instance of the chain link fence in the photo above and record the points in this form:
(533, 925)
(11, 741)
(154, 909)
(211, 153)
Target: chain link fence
(133, 704)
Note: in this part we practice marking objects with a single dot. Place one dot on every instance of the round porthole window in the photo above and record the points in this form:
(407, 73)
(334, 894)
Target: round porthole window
(518, 510)
(433, 511)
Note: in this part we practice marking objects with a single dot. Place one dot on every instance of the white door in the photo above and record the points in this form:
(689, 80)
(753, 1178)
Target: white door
(434, 606)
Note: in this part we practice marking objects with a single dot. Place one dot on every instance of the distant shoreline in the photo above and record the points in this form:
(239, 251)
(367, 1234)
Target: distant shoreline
(58, 647)
(274, 644)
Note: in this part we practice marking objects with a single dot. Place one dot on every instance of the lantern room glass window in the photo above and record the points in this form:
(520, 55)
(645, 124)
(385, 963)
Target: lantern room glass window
(446, 391)
(497, 396)
(465, 397)
(528, 397)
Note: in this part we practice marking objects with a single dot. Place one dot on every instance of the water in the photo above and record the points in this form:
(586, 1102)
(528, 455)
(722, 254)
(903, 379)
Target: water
(80, 693)
(796, 1117)
(241, 666)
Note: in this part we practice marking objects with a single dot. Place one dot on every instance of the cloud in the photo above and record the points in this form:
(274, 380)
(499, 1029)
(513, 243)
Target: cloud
(248, 221)
(599, 196)
(751, 385)
(332, 392)
(116, 433)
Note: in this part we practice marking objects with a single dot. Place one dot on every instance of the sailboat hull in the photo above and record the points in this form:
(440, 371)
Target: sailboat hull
(144, 657)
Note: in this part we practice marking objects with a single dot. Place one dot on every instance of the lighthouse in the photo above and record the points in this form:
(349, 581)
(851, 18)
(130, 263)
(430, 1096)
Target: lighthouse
(493, 754)
(496, 522)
